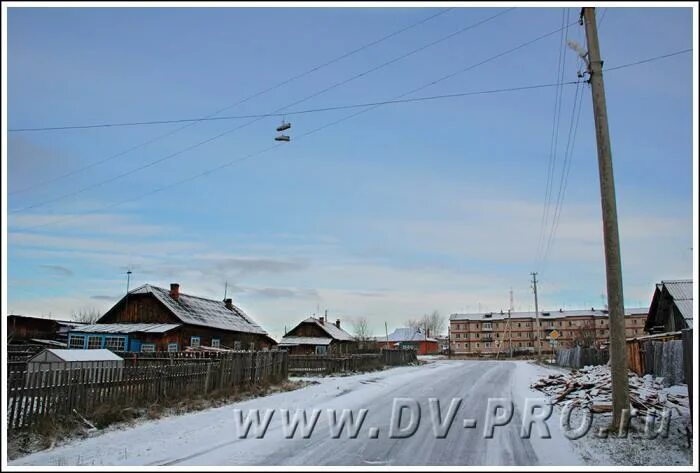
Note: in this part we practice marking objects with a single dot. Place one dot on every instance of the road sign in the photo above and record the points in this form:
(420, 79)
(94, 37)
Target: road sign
(554, 334)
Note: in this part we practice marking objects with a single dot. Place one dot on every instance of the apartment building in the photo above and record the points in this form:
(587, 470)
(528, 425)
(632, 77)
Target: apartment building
(498, 332)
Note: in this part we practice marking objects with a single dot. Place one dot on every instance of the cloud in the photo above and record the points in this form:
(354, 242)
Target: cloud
(57, 270)
(105, 298)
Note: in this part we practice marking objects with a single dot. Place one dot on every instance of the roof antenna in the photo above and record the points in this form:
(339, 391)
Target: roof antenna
(225, 289)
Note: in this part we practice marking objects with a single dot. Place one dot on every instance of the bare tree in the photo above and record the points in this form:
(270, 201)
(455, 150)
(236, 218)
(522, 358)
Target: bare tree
(86, 315)
(432, 323)
(361, 329)
(584, 336)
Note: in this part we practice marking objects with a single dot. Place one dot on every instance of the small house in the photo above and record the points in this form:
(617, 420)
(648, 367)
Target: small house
(318, 336)
(150, 318)
(409, 338)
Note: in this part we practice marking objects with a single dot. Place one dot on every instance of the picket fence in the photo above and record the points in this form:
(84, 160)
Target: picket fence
(327, 364)
(33, 396)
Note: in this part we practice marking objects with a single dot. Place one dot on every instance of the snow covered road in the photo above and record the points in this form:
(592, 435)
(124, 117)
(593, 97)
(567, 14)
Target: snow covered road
(211, 437)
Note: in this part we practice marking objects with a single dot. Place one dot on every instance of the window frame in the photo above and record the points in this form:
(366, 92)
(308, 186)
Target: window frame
(151, 347)
(120, 338)
(192, 342)
(216, 342)
(170, 345)
(76, 337)
(91, 338)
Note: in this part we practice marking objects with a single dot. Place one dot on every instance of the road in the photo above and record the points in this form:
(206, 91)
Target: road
(211, 438)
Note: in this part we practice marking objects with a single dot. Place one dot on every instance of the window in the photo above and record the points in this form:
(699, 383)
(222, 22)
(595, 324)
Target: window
(237, 345)
(77, 341)
(487, 325)
(115, 343)
(194, 342)
(172, 347)
(94, 342)
(148, 347)
(215, 343)
(487, 345)
(251, 346)
(477, 345)
(321, 349)
(477, 335)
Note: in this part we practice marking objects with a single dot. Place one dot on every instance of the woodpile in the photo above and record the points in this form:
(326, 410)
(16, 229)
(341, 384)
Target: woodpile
(591, 387)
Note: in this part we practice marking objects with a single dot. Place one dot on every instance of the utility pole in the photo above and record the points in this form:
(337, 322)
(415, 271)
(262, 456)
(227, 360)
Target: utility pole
(611, 238)
(537, 315)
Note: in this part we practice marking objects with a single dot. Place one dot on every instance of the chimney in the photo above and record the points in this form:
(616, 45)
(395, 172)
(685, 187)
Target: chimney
(175, 290)
(337, 323)
(229, 303)
(427, 332)
(320, 319)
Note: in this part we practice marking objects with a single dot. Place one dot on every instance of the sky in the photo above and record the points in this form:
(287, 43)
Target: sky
(390, 214)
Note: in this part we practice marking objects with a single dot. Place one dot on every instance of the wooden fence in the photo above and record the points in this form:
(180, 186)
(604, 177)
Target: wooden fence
(324, 364)
(32, 397)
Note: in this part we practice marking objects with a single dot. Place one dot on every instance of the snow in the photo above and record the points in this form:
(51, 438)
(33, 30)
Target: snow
(210, 438)
(82, 355)
(634, 448)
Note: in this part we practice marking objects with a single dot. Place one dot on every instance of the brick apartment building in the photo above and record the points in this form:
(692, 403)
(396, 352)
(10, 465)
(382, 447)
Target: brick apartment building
(494, 332)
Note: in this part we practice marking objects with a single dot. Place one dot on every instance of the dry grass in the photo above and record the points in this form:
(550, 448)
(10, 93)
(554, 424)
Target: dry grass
(52, 430)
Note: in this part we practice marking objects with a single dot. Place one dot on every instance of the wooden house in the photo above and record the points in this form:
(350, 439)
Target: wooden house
(408, 338)
(318, 336)
(671, 307)
(151, 318)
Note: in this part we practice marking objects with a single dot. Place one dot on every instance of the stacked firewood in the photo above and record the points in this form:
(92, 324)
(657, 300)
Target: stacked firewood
(591, 387)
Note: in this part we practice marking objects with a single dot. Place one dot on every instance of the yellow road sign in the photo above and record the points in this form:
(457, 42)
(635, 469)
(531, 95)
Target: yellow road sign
(554, 334)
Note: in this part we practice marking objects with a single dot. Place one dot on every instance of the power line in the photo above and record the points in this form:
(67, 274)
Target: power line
(217, 136)
(321, 109)
(348, 106)
(566, 168)
(246, 99)
(335, 122)
(651, 59)
(265, 150)
(551, 161)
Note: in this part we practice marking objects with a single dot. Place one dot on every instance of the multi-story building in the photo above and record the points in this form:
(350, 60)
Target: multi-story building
(498, 332)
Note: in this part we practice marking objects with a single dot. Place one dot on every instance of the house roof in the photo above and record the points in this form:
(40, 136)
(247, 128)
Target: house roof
(82, 355)
(544, 315)
(294, 341)
(681, 291)
(330, 328)
(126, 328)
(408, 335)
(204, 312)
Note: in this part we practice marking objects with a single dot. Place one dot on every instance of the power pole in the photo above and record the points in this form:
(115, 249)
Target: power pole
(611, 238)
(537, 315)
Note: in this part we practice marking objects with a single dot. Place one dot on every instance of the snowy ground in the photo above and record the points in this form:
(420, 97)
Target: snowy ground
(211, 438)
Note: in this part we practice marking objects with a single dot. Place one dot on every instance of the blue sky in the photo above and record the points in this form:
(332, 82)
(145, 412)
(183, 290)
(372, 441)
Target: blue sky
(399, 211)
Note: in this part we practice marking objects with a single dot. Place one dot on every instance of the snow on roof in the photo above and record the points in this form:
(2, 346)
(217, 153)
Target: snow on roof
(408, 335)
(642, 311)
(83, 355)
(293, 341)
(682, 293)
(126, 328)
(330, 328)
(205, 312)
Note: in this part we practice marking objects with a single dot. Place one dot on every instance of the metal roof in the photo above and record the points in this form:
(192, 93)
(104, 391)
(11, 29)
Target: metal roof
(682, 293)
(407, 335)
(544, 315)
(81, 355)
(330, 328)
(126, 328)
(205, 312)
(293, 341)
